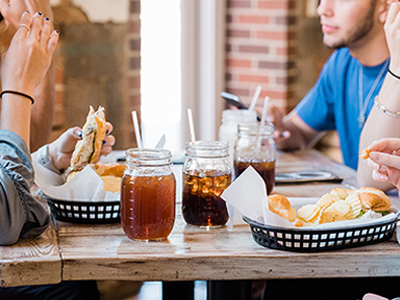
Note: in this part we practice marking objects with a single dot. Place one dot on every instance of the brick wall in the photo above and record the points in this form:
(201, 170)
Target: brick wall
(259, 50)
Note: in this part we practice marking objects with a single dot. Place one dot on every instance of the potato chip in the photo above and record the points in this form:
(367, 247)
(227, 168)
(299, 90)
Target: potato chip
(306, 212)
(355, 203)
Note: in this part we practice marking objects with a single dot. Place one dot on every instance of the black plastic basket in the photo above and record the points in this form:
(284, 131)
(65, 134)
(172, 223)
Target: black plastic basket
(312, 240)
(84, 212)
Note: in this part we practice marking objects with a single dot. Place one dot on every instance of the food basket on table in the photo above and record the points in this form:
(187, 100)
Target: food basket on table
(84, 212)
(315, 240)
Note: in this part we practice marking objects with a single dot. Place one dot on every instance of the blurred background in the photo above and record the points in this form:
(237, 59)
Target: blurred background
(160, 57)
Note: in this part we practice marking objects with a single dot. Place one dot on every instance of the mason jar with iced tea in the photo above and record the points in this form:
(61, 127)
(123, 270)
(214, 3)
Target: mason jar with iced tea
(206, 174)
(148, 193)
(255, 146)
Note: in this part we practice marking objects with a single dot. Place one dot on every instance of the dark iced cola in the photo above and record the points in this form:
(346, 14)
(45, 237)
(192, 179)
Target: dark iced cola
(201, 201)
(265, 169)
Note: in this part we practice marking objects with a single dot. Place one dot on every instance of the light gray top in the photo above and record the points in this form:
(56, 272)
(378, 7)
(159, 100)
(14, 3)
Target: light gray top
(21, 215)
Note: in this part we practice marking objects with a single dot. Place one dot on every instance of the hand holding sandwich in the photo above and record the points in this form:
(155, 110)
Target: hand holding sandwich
(62, 149)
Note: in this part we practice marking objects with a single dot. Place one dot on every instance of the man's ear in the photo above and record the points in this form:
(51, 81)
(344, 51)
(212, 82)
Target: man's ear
(383, 8)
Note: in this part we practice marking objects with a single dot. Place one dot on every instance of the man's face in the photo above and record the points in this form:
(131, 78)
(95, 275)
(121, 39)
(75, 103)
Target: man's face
(346, 22)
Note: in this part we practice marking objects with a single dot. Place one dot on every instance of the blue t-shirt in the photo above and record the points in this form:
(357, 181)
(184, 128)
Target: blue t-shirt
(333, 103)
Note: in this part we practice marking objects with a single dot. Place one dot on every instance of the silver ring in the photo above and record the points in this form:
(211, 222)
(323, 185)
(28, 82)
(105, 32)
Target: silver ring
(24, 25)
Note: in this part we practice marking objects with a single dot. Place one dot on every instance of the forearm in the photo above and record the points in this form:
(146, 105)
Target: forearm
(15, 115)
(43, 111)
(380, 125)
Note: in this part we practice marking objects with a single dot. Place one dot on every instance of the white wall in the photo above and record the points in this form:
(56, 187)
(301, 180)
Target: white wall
(103, 10)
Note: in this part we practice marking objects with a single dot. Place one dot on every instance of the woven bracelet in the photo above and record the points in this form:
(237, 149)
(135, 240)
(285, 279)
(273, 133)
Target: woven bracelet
(385, 110)
(17, 93)
(394, 75)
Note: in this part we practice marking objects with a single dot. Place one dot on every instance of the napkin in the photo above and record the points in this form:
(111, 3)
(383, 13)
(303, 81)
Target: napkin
(248, 196)
(85, 186)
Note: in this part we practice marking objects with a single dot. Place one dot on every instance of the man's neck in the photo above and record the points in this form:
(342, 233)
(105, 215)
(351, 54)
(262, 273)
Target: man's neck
(372, 52)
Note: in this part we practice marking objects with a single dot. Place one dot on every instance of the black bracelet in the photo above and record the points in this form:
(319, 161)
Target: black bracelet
(394, 75)
(17, 93)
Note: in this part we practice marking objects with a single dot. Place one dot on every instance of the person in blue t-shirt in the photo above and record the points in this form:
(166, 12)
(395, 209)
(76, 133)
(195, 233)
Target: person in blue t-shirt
(343, 97)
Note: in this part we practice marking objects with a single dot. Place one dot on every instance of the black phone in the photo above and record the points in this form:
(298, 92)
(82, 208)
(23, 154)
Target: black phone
(235, 101)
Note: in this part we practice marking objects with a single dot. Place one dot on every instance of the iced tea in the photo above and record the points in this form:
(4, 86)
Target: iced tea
(201, 201)
(148, 206)
(265, 169)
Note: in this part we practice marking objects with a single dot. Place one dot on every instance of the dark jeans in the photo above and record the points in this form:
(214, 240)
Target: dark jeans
(332, 288)
(66, 290)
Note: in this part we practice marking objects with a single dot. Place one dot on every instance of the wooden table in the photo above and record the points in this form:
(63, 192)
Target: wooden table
(103, 252)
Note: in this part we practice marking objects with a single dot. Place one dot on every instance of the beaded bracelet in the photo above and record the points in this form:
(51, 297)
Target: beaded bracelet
(17, 93)
(385, 110)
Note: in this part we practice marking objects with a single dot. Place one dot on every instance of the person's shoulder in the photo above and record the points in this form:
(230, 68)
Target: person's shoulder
(341, 55)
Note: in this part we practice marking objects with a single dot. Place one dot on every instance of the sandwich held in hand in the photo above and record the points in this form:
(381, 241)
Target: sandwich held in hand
(337, 205)
(88, 149)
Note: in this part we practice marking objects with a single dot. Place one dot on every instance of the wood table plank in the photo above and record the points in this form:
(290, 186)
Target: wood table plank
(104, 252)
(31, 261)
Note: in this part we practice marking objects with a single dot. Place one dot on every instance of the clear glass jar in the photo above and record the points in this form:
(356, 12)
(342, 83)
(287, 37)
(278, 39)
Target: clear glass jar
(255, 146)
(206, 174)
(228, 129)
(148, 193)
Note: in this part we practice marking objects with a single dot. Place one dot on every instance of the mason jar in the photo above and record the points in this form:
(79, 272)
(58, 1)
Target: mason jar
(148, 193)
(206, 174)
(255, 146)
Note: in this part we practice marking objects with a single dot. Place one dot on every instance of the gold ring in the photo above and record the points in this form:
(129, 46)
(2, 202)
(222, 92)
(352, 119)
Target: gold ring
(24, 25)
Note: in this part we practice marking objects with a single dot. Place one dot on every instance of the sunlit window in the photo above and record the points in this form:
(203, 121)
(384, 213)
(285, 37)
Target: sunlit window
(161, 72)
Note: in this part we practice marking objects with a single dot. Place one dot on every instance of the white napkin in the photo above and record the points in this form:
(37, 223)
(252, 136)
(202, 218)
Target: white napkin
(85, 186)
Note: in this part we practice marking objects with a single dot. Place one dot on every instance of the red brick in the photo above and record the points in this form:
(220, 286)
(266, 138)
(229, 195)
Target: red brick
(253, 78)
(274, 94)
(239, 63)
(134, 27)
(277, 4)
(238, 33)
(272, 35)
(239, 4)
(134, 82)
(253, 19)
(253, 49)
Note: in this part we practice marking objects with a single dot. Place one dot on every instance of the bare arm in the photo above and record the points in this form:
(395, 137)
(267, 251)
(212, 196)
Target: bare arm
(43, 111)
(380, 125)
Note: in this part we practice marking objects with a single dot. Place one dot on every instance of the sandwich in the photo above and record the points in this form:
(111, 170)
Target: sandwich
(88, 149)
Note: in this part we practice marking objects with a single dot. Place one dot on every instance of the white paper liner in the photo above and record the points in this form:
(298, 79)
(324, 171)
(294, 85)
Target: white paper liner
(247, 194)
(86, 186)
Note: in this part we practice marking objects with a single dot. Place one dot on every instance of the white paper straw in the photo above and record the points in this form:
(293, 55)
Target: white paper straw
(137, 130)
(255, 98)
(191, 125)
(265, 111)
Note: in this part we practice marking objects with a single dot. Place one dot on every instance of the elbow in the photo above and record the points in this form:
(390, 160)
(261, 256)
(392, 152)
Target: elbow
(8, 237)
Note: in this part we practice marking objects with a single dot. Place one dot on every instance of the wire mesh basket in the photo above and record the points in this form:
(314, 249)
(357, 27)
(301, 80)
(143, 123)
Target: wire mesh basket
(303, 240)
(84, 212)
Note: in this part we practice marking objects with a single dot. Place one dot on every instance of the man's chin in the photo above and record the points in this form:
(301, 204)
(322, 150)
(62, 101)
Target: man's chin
(333, 44)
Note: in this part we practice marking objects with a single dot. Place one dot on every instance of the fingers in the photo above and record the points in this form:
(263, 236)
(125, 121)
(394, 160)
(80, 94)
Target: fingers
(393, 12)
(385, 159)
(109, 127)
(25, 24)
(46, 30)
(36, 27)
(387, 145)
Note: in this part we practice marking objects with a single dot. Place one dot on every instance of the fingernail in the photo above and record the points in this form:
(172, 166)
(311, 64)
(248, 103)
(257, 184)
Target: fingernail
(104, 141)
(57, 32)
(28, 12)
(383, 177)
(80, 134)
(47, 19)
(40, 14)
(107, 131)
(374, 165)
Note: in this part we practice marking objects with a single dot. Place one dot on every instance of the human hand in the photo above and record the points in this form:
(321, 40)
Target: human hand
(384, 159)
(392, 32)
(29, 55)
(61, 149)
(13, 10)
(276, 117)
